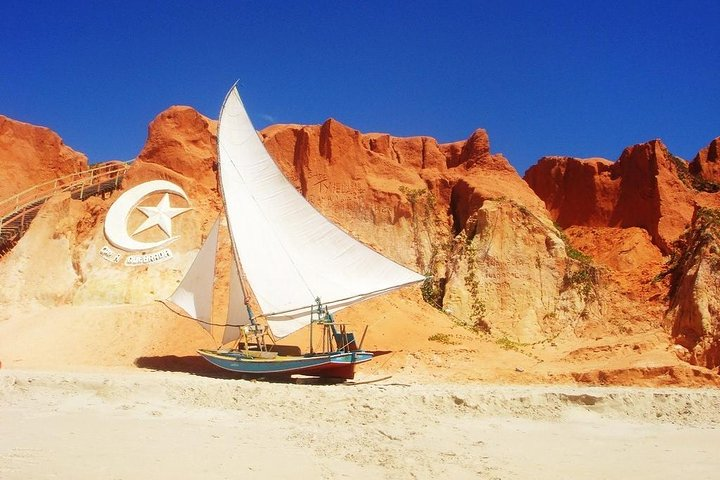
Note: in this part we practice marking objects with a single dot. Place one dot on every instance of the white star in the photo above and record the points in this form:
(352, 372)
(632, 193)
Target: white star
(160, 215)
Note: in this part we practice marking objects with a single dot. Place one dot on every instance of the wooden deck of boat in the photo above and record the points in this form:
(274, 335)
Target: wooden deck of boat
(216, 354)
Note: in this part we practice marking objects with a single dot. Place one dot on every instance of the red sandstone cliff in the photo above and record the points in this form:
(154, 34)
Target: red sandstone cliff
(706, 165)
(642, 189)
(30, 155)
(456, 211)
(182, 147)
(676, 203)
(373, 181)
(694, 270)
(183, 142)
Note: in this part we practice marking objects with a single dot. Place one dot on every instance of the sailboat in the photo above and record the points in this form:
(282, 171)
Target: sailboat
(299, 267)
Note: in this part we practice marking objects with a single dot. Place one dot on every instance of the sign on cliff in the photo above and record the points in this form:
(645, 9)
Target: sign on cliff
(146, 244)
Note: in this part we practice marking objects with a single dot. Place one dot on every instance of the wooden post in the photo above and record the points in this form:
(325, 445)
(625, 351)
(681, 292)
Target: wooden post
(363, 338)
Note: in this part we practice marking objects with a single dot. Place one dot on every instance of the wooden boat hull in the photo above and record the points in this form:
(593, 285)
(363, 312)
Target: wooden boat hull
(332, 365)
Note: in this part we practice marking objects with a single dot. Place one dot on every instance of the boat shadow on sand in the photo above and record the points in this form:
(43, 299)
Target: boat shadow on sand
(196, 365)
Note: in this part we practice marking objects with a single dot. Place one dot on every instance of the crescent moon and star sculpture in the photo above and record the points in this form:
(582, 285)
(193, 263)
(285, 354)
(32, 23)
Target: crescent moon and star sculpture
(116, 221)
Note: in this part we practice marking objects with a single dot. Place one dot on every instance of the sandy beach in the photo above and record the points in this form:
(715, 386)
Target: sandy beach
(123, 424)
(119, 393)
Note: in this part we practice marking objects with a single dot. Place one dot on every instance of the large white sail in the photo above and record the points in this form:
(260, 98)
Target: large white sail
(195, 292)
(289, 252)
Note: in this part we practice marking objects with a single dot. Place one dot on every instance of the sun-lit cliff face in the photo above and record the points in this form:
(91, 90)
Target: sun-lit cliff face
(642, 189)
(694, 270)
(674, 204)
(454, 212)
(31, 155)
(705, 167)
(592, 302)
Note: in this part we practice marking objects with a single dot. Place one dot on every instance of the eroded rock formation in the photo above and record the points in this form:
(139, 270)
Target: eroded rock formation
(676, 203)
(642, 189)
(706, 166)
(63, 244)
(454, 211)
(694, 313)
(30, 155)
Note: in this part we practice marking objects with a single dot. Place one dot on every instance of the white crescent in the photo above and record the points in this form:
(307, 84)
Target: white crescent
(116, 220)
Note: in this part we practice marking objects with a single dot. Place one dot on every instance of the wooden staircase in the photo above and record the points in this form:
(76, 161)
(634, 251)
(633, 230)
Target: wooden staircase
(18, 211)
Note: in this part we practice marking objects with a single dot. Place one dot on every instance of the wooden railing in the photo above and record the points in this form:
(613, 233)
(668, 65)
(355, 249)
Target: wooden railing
(74, 182)
(17, 212)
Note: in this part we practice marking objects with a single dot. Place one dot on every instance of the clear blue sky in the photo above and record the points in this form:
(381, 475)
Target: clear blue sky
(543, 78)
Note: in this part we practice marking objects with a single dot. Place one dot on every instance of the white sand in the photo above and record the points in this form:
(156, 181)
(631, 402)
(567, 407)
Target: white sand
(122, 424)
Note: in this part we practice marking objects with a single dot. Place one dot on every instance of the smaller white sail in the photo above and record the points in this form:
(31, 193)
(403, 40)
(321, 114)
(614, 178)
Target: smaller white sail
(237, 314)
(194, 295)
